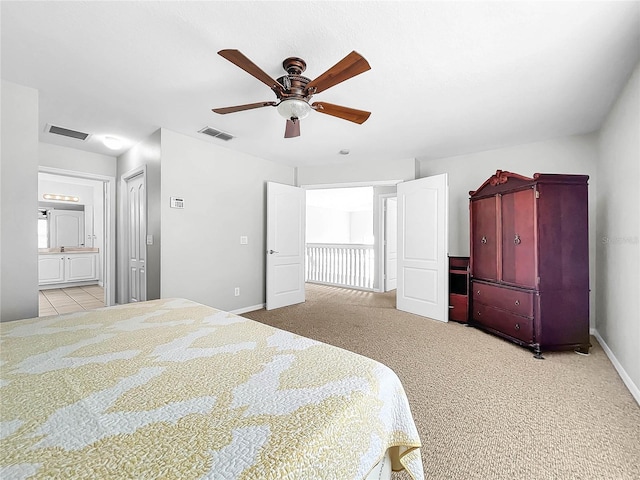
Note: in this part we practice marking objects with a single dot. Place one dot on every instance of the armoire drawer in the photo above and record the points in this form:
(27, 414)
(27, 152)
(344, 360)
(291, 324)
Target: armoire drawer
(516, 301)
(505, 322)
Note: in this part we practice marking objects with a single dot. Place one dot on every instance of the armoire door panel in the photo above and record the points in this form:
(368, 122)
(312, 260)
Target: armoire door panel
(518, 238)
(484, 242)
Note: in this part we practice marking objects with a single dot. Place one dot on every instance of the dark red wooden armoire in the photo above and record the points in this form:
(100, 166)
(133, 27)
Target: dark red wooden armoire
(530, 260)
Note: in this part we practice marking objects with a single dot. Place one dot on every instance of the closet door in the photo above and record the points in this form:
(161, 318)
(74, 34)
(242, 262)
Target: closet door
(484, 239)
(518, 238)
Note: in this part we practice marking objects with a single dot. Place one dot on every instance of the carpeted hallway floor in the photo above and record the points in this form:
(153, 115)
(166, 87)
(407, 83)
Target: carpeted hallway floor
(485, 408)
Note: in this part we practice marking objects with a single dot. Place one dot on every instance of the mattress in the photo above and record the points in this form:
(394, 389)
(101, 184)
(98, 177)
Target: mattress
(175, 389)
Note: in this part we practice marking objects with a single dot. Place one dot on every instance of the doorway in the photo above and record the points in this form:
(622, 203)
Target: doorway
(422, 242)
(94, 210)
(340, 247)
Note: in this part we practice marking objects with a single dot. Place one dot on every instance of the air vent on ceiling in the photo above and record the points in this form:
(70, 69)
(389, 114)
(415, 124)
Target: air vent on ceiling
(212, 132)
(66, 132)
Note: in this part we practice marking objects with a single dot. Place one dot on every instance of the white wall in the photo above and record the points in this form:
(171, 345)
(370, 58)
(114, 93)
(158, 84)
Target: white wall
(618, 232)
(361, 227)
(225, 198)
(66, 158)
(331, 225)
(357, 172)
(148, 153)
(572, 155)
(19, 203)
(576, 154)
(327, 225)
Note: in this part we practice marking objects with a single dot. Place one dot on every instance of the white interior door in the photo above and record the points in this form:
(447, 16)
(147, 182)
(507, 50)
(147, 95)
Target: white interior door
(66, 228)
(285, 245)
(136, 232)
(391, 244)
(422, 247)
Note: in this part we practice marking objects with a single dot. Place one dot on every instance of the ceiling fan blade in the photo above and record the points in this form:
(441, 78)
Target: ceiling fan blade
(350, 66)
(346, 113)
(237, 58)
(239, 108)
(292, 129)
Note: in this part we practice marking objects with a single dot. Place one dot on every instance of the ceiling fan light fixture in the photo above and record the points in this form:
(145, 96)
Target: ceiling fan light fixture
(294, 108)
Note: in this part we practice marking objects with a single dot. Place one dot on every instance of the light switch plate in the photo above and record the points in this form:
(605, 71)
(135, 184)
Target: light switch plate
(244, 240)
(149, 239)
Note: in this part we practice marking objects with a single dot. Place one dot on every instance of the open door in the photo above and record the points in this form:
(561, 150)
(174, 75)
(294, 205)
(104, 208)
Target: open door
(391, 244)
(285, 245)
(422, 247)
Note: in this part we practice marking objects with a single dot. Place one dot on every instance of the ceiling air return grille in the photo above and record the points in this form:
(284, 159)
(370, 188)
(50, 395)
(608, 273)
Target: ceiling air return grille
(215, 133)
(66, 132)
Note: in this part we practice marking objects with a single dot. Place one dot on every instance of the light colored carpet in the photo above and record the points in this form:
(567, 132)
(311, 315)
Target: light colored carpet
(485, 408)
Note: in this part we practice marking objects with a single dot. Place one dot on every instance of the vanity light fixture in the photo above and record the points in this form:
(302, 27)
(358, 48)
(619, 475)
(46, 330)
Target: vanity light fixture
(61, 198)
(112, 143)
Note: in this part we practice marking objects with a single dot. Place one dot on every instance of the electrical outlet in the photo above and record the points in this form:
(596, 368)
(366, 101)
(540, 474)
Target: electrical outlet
(244, 240)
(236, 291)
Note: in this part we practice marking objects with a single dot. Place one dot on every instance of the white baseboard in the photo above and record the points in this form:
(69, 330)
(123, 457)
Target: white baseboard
(633, 388)
(253, 308)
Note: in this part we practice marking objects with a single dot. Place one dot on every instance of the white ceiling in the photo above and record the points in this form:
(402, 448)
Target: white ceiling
(447, 77)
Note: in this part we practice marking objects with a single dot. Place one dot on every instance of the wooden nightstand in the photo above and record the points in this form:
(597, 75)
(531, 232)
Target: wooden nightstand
(459, 289)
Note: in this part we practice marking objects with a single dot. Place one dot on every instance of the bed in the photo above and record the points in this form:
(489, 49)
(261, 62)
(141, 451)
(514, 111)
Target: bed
(175, 389)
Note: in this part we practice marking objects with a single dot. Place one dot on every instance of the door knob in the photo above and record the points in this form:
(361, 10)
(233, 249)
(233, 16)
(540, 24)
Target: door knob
(271, 252)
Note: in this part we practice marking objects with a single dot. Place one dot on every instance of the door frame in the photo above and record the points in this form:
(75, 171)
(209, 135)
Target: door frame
(385, 248)
(379, 245)
(123, 231)
(109, 241)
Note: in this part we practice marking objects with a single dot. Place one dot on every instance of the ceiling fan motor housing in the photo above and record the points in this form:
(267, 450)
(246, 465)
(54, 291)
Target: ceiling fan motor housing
(294, 83)
(294, 86)
(294, 65)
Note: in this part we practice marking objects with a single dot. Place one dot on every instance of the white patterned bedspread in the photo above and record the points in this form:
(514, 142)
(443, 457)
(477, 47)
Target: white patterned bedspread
(178, 390)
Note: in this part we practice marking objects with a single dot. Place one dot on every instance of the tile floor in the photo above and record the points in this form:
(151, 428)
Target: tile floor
(69, 300)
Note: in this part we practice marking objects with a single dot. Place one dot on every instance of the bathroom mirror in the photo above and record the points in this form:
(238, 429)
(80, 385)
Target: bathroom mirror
(60, 225)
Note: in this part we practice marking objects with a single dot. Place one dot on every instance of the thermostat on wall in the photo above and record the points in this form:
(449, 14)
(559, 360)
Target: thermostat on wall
(177, 202)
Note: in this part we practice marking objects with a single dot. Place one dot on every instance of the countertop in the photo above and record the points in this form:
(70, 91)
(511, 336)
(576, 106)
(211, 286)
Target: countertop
(48, 251)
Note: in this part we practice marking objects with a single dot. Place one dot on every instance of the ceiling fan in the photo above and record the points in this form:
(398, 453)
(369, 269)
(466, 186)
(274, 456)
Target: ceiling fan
(294, 91)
